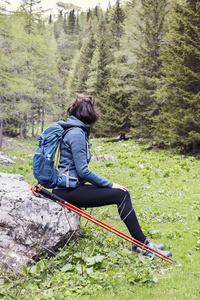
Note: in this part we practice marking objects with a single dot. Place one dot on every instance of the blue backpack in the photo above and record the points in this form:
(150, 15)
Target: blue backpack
(44, 169)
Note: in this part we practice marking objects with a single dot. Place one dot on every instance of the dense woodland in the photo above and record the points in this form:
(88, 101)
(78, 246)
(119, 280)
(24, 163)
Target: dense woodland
(139, 58)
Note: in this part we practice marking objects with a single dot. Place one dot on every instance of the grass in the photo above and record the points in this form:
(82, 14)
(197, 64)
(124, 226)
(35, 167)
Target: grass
(164, 189)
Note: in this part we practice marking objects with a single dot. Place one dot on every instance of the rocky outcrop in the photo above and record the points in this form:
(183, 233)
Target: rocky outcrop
(30, 226)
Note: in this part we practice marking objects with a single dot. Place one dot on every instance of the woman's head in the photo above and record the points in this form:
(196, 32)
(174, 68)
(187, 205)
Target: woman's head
(84, 109)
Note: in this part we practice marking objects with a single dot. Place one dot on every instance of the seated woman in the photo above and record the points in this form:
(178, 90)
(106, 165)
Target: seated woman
(72, 187)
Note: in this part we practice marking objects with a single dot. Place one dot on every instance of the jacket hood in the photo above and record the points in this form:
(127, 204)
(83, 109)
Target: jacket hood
(74, 122)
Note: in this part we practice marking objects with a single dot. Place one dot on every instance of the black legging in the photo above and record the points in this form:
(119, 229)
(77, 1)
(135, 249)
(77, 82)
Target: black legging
(92, 196)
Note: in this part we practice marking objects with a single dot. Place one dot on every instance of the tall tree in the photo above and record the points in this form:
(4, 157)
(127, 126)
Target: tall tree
(115, 107)
(148, 66)
(71, 22)
(4, 42)
(78, 81)
(60, 25)
(30, 8)
(116, 23)
(99, 75)
(179, 121)
(46, 79)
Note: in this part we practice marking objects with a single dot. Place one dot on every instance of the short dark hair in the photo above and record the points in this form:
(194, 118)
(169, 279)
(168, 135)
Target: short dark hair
(84, 109)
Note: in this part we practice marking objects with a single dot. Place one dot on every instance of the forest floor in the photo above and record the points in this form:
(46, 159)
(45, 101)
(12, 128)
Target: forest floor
(165, 191)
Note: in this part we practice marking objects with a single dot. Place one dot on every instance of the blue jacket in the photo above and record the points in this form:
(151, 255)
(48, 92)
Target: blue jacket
(74, 148)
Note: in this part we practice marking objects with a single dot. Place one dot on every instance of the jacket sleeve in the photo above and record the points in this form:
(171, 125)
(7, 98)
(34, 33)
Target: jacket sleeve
(77, 143)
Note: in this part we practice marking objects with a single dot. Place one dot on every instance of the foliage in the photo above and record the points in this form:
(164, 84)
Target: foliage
(148, 35)
(179, 93)
(81, 69)
(138, 60)
(116, 24)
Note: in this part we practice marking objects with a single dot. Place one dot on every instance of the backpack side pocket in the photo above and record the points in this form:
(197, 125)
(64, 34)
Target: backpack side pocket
(44, 171)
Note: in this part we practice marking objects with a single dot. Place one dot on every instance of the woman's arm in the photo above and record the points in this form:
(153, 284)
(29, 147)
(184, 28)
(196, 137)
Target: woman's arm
(76, 140)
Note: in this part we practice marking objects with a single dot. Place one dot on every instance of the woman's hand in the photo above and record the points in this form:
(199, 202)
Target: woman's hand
(120, 187)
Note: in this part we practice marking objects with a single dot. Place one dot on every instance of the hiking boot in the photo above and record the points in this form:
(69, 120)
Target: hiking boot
(153, 247)
(138, 249)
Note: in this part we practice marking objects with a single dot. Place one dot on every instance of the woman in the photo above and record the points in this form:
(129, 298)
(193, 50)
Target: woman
(74, 172)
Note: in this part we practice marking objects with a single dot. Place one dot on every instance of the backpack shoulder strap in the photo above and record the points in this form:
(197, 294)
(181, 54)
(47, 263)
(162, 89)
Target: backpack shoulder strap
(63, 135)
(66, 131)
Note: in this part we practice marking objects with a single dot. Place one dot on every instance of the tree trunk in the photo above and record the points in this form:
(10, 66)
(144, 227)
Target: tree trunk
(23, 131)
(43, 113)
(195, 148)
(1, 132)
(32, 120)
(122, 136)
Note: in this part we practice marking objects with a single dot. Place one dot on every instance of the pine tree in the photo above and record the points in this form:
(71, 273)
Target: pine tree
(180, 94)
(46, 79)
(59, 25)
(71, 22)
(89, 14)
(115, 106)
(104, 58)
(117, 115)
(30, 8)
(147, 69)
(5, 40)
(99, 75)
(68, 43)
(81, 69)
(50, 19)
(116, 24)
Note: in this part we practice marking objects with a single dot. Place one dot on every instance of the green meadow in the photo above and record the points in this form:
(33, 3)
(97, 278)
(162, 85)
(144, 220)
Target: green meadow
(165, 191)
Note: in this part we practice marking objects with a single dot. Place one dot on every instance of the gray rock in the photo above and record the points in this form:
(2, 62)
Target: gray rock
(106, 157)
(30, 226)
(99, 148)
(5, 159)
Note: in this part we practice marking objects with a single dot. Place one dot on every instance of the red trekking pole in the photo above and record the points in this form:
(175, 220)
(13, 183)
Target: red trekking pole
(39, 191)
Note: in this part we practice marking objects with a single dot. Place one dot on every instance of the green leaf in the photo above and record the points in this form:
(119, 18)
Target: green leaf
(1, 281)
(33, 269)
(67, 267)
(89, 271)
(79, 268)
(95, 259)
(24, 269)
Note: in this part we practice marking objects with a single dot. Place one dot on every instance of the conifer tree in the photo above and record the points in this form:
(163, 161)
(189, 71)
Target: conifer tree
(30, 7)
(89, 14)
(104, 58)
(147, 69)
(65, 25)
(99, 75)
(179, 121)
(115, 116)
(18, 63)
(5, 40)
(116, 23)
(81, 69)
(46, 79)
(50, 19)
(68, 42)
(71, 22)
(115, 109)
(59, 26)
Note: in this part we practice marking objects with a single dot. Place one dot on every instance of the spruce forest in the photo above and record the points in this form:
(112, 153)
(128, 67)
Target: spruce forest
(139, 58)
